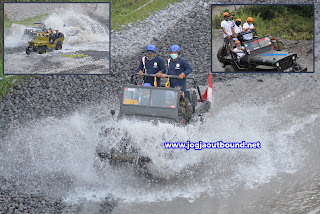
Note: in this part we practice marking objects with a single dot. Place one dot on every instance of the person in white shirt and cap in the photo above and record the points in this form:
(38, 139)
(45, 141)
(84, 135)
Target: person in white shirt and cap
(228, 30)
(247, 27)
(237, 29)
(241, 56)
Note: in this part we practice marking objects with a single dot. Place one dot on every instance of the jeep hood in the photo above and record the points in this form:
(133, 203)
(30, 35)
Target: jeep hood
(271, 57)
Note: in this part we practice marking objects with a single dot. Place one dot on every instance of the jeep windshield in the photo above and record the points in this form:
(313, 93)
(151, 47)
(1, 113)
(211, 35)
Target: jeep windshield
(147, 97)
(257, 44)
(37, 25)
(42, 35)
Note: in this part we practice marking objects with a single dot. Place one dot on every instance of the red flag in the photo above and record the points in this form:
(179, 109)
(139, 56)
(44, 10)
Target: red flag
(209, 91)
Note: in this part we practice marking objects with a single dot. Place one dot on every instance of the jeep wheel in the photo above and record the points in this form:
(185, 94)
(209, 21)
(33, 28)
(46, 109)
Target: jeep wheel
(59, 46)
(220, 53)
(229, 68)
(28, 51)
(43, 50)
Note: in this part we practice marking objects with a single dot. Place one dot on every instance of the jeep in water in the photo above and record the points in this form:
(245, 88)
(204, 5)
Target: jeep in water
(263, 54)
(160, 105)
(41, 44)
(36, 28)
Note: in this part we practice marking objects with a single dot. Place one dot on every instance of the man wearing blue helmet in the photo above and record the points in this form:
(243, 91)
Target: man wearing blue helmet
(178, 66)
(151, 64)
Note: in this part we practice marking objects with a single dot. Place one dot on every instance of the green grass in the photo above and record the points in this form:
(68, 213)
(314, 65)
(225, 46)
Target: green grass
(126, 11)
(6, 82)
(26, 22)
(281, 22)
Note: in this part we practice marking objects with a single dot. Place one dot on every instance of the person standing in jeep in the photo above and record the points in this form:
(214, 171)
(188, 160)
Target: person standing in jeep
(177, 66)
(247, 27)
(228, 30)
(151, 64)
(237, 30)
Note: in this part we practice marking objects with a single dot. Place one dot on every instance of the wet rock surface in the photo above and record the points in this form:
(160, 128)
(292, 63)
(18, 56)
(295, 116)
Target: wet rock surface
(56, 96)
(13, 200)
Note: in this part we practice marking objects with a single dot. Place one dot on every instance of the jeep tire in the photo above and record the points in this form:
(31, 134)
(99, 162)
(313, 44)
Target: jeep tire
(220, 53)
(229, 68)
(28, 51)
(43, 50)
(59, 46)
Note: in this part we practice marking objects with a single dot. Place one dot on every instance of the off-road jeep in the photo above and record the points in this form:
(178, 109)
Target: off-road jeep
(41, 44)
(262, 54)
(36, 28)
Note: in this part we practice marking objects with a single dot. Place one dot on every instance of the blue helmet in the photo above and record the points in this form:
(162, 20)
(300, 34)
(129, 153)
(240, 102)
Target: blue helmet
(147, 84)
(151, 48)
(174, 48)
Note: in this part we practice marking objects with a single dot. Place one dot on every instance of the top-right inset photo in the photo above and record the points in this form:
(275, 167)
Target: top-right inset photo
(262, 38)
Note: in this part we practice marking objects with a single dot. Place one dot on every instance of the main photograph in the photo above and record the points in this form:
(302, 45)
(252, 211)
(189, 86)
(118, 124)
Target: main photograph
(262, 38)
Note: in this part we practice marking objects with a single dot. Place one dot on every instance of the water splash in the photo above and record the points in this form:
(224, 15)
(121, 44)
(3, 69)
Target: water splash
(78, 28)
(82, 32)
(67, 146)
(15, 37)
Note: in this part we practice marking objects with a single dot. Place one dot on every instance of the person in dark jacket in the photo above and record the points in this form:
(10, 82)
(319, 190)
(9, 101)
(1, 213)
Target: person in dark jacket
(178, 66)
(151, 64)
(58, 34)
(51, 36)
(185, 109)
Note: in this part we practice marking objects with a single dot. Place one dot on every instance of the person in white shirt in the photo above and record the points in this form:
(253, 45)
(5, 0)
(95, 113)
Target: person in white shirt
(237, 28)
(232, 20)
(228, 30)
(247, 27)
(241, 56)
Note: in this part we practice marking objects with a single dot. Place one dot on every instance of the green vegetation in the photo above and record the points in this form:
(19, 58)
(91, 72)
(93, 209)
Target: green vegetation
(293, 22)
(122, 13)
(26, 22)
(126, 11)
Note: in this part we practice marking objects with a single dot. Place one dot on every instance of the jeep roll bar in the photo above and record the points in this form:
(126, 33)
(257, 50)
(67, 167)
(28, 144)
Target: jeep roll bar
(244, 33)
(167, 76)
(171, 76)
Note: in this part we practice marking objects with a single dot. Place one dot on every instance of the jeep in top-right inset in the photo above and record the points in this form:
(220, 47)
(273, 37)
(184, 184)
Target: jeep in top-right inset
(273, 38)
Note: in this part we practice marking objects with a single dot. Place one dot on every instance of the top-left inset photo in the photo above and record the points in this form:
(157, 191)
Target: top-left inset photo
(56, 38)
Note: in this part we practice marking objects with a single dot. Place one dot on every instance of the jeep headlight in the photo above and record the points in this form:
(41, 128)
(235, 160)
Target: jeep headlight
(277, 64)
(35, 44)
(293, 58)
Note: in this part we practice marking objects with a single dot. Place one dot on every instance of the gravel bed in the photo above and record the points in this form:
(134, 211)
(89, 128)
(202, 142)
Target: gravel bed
(43, 96)
(13, 200)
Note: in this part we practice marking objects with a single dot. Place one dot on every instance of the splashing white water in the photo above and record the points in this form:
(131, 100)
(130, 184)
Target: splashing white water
(15, 37)
(81, 31)
(68, 146)
(78, 28)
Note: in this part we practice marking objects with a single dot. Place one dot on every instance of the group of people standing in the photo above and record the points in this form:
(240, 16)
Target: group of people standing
(153, 64)
(231, 31)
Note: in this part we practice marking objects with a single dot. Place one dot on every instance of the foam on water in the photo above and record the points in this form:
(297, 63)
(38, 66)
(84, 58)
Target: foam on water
(78, 28)
(67, 146)
(15, 37)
